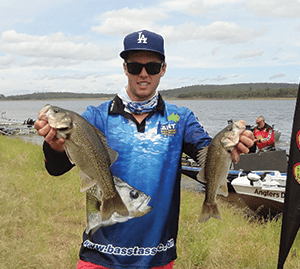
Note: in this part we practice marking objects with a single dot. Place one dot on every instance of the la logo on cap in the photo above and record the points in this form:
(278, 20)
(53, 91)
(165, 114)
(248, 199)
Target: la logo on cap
(142, 38)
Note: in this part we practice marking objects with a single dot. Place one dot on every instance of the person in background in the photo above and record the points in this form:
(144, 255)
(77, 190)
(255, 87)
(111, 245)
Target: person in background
(150, 136)
(264, 135)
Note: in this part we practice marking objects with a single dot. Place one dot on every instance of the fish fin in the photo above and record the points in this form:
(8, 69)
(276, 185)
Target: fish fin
(111, 205)
(208, 211)
(87, 182)
(113, 155)
(201, 176)
(201, 156)
(69, 156)
(223, 190)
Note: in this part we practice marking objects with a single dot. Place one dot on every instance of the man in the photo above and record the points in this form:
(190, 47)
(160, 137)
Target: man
(264, 135)
(149, 136)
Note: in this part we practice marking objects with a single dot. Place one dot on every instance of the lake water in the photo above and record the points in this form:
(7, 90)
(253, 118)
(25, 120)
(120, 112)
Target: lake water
(212, 114)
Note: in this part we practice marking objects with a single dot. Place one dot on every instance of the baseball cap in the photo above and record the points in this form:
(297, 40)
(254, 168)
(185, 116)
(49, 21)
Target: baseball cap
(143, 41)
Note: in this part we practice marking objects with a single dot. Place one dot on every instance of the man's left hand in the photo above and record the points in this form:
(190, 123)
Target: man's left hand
(246, 141)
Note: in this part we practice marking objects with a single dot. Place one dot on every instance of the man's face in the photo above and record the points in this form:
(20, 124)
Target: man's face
(260, 123)
(143, 86)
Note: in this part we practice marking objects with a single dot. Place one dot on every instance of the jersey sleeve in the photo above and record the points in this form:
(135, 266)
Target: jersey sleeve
(195, 137)
(56, 163)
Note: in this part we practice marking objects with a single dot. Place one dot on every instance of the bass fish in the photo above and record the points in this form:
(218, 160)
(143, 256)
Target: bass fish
(215, 161)
(86, 147)
(135, 201)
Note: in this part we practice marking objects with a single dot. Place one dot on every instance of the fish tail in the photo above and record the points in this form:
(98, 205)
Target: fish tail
(111, 205)
(208, 211)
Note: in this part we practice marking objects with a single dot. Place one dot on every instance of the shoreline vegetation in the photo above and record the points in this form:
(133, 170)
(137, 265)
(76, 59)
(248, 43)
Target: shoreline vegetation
(197, 92)
(43, 217)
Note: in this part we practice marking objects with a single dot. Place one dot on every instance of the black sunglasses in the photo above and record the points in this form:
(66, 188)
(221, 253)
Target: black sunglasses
(151, 68)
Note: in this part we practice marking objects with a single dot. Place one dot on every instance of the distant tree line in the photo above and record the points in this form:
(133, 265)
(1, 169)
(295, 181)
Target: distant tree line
(243, 94)
(233, 91)
(57, 95)
(230, 91)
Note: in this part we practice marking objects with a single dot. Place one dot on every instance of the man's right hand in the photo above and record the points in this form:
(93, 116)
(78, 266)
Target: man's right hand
(44, 129)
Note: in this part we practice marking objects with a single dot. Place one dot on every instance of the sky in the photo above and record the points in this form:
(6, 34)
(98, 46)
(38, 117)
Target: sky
(74, 46)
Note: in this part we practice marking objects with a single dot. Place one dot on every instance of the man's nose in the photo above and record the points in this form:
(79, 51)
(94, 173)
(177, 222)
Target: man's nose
(144, 72)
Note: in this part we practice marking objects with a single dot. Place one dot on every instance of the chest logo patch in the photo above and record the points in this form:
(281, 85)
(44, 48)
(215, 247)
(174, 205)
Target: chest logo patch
(174, 117)
(169, 128)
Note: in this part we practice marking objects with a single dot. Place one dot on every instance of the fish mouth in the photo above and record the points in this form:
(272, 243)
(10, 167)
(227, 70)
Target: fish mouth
(144, 206)
(62, 129)
(60, 126)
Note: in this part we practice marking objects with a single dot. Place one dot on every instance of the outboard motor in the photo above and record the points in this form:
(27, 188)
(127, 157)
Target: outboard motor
(253, 177)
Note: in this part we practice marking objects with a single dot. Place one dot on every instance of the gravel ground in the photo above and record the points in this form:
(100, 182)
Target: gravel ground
(190, 184)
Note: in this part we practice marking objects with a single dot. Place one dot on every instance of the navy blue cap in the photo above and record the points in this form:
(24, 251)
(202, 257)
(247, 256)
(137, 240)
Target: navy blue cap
(143, 41)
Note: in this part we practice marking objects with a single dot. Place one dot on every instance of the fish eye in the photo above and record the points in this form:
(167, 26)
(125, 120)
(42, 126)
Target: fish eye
(56, 110)
(134, 194)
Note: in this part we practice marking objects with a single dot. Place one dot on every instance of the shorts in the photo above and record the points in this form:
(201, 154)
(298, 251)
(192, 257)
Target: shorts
(88, 265)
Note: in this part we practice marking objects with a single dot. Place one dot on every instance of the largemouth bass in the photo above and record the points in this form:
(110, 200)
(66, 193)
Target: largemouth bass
(215, 162)
(136, 202)
(86, 147)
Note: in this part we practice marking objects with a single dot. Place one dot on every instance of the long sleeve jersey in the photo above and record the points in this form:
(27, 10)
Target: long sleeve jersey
(265, 136)
(149, 159)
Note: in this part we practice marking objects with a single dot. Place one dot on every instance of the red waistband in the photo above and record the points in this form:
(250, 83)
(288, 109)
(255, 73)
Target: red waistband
(88, 265)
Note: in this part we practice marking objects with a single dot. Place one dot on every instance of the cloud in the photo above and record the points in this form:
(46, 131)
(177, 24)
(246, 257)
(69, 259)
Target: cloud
(226, 32)
(196, 7)
(191, 7)
(14, 12)
(67, 45)
(53, 46)
(215, 79)
(280, 75)
(220, 31)
(250, 54)
(68, 77)
(275, 8)
(123, 21)
(6, 60)
(128, 20)
(215, 50)
(179, 5)
(220, 2)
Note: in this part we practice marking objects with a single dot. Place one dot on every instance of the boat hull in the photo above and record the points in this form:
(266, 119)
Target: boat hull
(264, 197)
(262, 206)
(263, 202)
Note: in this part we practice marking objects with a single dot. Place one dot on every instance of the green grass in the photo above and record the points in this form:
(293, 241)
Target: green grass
(43, 217)
(236, 241)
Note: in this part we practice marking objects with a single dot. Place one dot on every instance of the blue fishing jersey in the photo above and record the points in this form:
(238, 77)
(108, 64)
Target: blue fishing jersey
(149, 159)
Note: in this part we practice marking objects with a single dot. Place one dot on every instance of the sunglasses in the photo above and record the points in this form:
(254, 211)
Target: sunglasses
(151, 68)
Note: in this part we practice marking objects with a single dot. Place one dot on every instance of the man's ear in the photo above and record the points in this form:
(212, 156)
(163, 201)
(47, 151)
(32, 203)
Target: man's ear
(163, 70)
(125, 69)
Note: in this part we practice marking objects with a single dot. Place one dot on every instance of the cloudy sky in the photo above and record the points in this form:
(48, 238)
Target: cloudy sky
(72, 45)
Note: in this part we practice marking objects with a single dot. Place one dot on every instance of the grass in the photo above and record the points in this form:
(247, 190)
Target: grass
(234, 242)
(43, 217)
